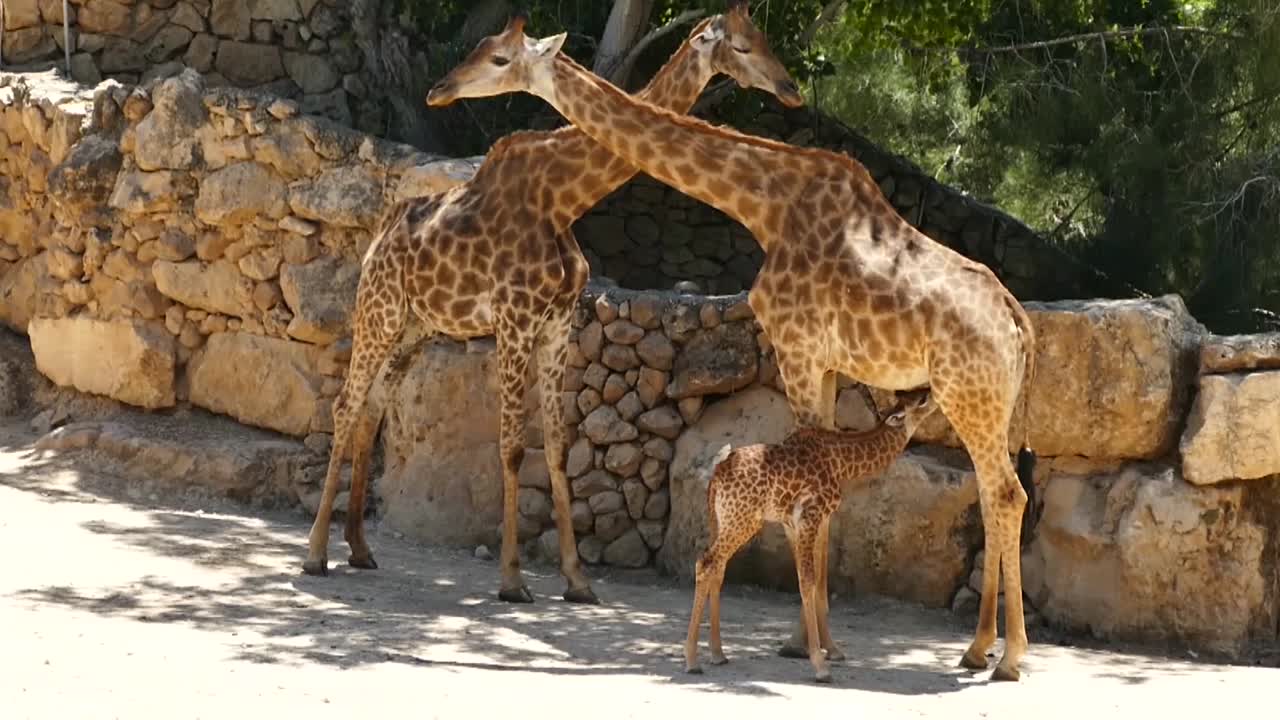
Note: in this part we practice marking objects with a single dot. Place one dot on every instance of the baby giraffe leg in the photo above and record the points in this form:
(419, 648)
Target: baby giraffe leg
(802, 545)
(717, 582)
(821, 545)
(708, 566)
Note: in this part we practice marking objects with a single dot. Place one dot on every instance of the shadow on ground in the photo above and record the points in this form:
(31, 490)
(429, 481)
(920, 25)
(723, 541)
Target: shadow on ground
(432, 606)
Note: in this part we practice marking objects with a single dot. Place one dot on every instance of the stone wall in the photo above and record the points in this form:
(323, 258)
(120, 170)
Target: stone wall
(179, 245)
(298, 49)
(186, 244)
(648, 235)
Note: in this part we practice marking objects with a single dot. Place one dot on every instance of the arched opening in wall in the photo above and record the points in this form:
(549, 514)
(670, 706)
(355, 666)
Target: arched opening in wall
(649, 236)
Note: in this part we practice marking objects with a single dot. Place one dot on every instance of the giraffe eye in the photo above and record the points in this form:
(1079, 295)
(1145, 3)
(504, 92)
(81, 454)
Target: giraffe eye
(737, 49)
(500, 61)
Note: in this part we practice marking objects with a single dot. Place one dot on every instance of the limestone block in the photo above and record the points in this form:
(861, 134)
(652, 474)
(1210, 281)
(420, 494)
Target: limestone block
(248, 64)
(1233, 430)
(321, 294)
(231, 18)
(130, 362)
(1113, 379)
(28, 44)
(85, 179)
(1142, 554)
(19, 286)
(434, 177)
(214, 287)
(239, 193)
(141, 192)
(718, 361)
(1234, 353)
(443, 479)
(21, 14)
(261, 381)
(312, 73)
(104, 17)
(343, 196)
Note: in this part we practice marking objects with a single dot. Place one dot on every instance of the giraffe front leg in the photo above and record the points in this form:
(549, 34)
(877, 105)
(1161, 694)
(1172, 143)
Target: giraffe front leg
(514, 348)
(552, 354)
(811, 393)
(1002, 502)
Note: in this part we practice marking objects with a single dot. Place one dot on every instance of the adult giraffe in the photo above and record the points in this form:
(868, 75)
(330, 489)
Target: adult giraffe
(496, 255)
(847, 286)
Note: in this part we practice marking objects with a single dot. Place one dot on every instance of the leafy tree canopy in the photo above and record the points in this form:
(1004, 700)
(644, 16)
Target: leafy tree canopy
(1141, 136)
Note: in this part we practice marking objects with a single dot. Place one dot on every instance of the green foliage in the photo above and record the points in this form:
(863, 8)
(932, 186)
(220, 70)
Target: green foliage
(1151, 156)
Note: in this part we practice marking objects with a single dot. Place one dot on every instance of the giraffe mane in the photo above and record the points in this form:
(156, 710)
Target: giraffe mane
(853, 166)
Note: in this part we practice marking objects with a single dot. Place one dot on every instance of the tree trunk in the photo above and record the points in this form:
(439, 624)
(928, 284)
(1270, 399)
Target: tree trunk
(626, 25)
(395, 75)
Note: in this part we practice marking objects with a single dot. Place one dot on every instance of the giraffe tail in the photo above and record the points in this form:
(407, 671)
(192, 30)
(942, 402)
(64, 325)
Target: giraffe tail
(1026, 464)
(713, 523)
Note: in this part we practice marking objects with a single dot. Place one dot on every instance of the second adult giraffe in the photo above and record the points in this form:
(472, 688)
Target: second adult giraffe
(496, 255)
(847, 286)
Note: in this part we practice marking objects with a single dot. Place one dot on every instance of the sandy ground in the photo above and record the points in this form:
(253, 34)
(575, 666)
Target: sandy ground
(118, 606)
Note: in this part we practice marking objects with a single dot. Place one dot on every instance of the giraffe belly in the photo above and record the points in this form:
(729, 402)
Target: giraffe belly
(477, 322)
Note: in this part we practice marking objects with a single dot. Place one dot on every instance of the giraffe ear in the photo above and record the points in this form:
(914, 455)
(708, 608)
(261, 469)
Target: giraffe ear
(713, 33)
(548, 46)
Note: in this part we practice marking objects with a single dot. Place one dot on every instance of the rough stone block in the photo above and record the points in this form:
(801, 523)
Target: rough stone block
(130, 362)
(258, 380)
(1233, 430)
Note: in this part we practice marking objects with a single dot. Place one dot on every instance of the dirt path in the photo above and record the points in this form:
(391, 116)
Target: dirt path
(114, 606)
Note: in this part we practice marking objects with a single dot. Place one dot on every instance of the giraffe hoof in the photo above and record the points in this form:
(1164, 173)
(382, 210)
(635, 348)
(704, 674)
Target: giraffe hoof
(791, 651)
(719, 660)
(365, 562)
(823, 677)
(834, 655)
(973, 661)
(1004, 674)
(694, 670)
(583, 595)
(318, 568)
(515, 595)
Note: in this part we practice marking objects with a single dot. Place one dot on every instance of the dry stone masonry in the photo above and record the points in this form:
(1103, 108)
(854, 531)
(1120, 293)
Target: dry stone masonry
(180, 245)
(292, 48)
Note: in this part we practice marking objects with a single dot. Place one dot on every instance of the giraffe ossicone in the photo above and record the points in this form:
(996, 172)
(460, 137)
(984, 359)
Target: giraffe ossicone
(847, 287)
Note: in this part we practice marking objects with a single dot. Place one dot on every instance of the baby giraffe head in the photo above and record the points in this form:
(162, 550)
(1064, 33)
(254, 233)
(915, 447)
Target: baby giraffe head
(512, 62)
(912, 408)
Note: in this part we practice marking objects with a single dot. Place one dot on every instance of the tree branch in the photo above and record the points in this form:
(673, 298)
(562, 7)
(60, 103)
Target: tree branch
(623, 71)
(828, 14)
(1102, 36)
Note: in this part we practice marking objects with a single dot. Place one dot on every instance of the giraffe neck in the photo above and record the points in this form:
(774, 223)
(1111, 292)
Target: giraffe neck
(579, 170)
(863, 453)
(750, 179)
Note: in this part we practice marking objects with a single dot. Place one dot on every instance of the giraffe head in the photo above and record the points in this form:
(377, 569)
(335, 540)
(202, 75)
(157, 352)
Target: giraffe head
(913, 408)
(511, 62)
(740, 50)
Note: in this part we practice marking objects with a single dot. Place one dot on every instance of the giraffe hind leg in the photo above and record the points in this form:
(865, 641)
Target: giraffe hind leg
(368, 354)
(380, 395)
(551, 356)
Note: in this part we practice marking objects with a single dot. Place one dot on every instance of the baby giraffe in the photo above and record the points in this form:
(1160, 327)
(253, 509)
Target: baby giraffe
(798, 483)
